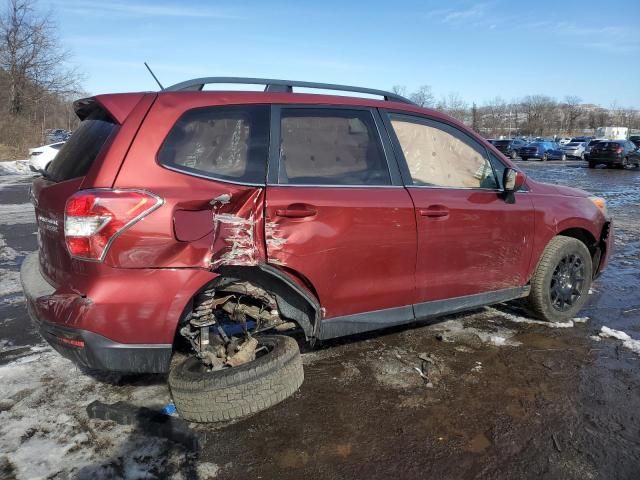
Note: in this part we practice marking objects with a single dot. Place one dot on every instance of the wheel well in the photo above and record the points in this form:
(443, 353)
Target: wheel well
(294, 303)
(584, 236)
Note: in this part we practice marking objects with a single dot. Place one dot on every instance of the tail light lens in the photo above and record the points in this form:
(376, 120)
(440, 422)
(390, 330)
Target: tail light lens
(94, 218)
(619, 150)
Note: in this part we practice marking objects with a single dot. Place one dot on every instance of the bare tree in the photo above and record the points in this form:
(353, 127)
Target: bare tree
(496, 116)
(572, 110)
(540, 112)
(399, 90)
(31, 55)
(423, 97)
(476, 120)
(454, 105)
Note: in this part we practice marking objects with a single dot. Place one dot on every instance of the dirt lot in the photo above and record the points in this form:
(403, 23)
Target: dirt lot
(505, 397)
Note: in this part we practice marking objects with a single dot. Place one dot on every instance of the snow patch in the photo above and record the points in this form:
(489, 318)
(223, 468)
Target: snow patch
(519, 319)
(7, 254)
(456, 331)
(17, 214)
(15, 167)
(627, 341)
(9, 282)
(45, 431)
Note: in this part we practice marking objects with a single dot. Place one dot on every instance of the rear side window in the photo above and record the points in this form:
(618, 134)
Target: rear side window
(321, 146)
(226, 143)
(78, 154)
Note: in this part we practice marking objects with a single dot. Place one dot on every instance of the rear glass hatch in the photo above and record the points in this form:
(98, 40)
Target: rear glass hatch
(62, 179)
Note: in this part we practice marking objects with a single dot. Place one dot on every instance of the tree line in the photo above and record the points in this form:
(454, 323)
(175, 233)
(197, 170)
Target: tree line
(36, 84)
(536, 115)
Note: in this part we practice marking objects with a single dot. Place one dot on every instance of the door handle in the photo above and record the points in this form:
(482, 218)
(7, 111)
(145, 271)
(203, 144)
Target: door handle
(294, 211)
(435, 211)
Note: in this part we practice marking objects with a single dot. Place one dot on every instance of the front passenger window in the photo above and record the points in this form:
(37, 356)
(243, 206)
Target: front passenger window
(440, 158)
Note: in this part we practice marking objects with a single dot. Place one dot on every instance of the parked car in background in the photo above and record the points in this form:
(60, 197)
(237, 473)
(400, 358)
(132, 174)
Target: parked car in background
(537, 150)
(41, 157)
(57, 135)
(510, 148)
(587, 149)
(564, 140)
(556, 153)
(575, 149)
(616, 153)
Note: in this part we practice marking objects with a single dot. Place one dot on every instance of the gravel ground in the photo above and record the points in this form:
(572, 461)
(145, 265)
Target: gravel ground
(506, 397)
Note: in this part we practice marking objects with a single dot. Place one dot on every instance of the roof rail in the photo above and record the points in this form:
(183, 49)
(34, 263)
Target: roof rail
(284, 86)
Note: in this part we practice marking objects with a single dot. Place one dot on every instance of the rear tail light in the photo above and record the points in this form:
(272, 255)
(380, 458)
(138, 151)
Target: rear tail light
(94, 218)
(619, 150)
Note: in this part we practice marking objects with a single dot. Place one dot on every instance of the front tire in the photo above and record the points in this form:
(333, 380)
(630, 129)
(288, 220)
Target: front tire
(203, 396)
(561, 282)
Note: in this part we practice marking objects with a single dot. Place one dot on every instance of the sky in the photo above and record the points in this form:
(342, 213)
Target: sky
(479, 50)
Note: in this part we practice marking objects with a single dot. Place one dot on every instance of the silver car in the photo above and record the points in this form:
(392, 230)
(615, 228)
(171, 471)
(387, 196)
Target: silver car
(574, 149)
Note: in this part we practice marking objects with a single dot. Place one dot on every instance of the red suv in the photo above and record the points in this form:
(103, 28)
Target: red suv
(215, 219)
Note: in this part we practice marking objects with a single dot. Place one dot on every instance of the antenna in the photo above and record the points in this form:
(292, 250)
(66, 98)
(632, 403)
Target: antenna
(153, 75)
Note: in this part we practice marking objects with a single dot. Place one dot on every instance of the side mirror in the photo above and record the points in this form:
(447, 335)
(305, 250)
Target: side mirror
(512, 181)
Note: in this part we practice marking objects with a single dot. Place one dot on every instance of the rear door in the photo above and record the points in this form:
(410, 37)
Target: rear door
(337, 215)
(470, 241)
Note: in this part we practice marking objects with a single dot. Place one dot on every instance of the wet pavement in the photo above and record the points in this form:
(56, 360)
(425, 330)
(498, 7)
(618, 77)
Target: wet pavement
(505, 397)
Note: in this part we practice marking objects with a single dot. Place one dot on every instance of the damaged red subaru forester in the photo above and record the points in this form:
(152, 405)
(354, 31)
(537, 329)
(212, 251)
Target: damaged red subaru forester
(222, 222)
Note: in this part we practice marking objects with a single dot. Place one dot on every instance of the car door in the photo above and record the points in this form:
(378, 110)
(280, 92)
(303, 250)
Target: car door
(470, 240)
(337, 215)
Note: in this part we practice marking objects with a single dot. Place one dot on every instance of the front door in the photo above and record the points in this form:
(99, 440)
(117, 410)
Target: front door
(337, 217)
(470, 241)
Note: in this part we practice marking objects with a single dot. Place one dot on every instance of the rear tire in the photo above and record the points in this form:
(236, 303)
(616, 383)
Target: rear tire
(203, 396)
(561, 282)
(524, 159)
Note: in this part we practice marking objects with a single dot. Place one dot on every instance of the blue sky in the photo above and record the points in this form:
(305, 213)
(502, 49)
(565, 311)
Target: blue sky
(479, 50)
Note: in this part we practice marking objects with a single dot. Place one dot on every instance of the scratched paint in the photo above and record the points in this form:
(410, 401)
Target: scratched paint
(238, 238)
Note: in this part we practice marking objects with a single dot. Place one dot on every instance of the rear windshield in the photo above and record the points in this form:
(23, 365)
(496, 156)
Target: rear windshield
(79, 152)
(608, 145)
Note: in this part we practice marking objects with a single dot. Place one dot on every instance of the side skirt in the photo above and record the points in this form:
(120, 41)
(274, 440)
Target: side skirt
(368, 321)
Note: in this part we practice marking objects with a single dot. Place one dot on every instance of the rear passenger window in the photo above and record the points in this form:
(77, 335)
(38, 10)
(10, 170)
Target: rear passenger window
(441, 156)
(227, 143)
(331, 147)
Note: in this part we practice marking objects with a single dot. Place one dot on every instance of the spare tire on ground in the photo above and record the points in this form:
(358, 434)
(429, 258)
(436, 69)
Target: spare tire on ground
(212, 396)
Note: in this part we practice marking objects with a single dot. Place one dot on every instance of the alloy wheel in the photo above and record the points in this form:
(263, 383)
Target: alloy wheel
(567, 282)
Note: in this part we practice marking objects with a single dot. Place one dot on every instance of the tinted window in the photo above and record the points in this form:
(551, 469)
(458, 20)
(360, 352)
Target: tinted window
(438, 155)
(79, 152)
(228, 143)
(502, 143)
(331, 147)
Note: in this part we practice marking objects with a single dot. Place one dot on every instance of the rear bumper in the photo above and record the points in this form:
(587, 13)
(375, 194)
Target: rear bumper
(78, 327)
(606, 160)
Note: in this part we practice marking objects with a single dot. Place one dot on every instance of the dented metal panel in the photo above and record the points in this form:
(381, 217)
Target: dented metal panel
(238, 227)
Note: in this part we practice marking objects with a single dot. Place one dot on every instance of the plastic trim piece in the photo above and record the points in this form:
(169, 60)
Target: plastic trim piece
(368, 321)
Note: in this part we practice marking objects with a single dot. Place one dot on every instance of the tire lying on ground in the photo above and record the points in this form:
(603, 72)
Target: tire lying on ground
(203, 396)
(561, 282)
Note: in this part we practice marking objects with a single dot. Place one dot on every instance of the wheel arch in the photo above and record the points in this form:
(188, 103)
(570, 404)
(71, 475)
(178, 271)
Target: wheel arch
(295, 302)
